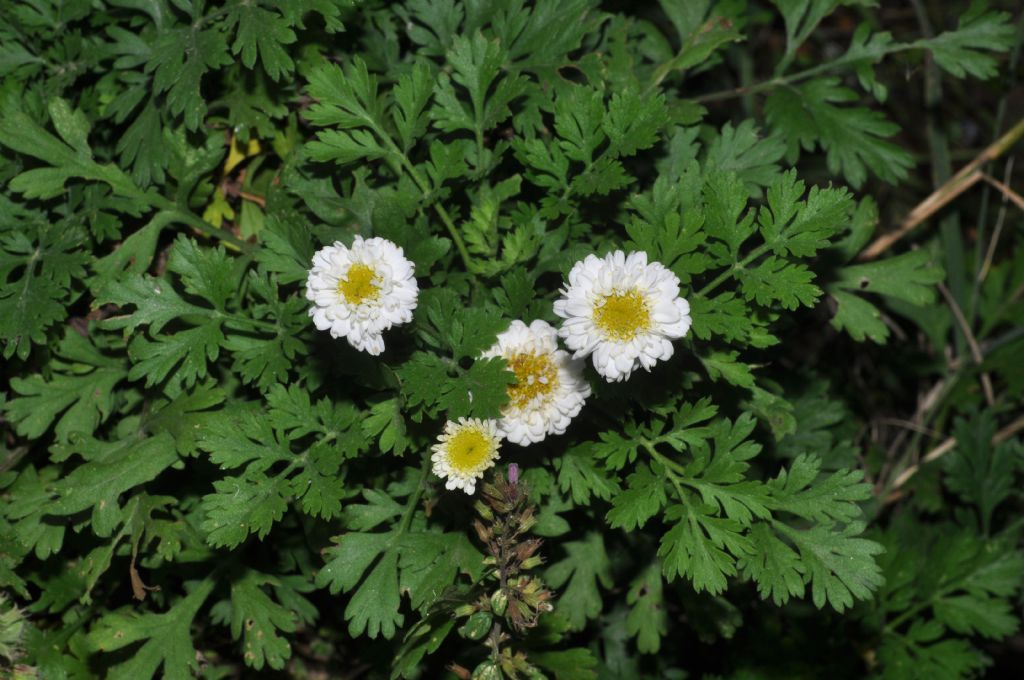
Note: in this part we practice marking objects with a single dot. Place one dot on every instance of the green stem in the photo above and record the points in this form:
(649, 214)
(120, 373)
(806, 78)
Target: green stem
(671, 467)
(467, 259)
(772, 83)
(731, 271)
(424, 188)
(414, 499)
(258, 323)
(914, 611)
(206, 228)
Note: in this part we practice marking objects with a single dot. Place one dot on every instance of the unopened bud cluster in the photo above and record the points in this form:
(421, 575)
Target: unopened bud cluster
(506, 517)
(512, 596)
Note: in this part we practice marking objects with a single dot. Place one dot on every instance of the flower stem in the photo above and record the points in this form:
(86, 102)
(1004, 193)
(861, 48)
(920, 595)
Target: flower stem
(414, 498)
(731, 271)
(467, 259)
(421, 183)
(780, 81)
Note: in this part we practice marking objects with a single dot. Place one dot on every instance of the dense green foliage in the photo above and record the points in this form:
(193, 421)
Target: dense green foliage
(197, 481)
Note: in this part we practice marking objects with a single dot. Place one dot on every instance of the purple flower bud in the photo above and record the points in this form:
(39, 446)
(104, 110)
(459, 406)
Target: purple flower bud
(513, 474)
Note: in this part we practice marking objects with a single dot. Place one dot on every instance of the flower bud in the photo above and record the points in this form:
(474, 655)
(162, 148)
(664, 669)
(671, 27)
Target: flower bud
(464, 610)
(488, 670)
(483, 511)
(476, 626)
(482, 532)
(499, 602)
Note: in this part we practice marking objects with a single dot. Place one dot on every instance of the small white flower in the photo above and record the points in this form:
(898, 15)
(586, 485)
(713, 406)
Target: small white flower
(622, 310)
(464, 451)
(358, 292)
(549, 390)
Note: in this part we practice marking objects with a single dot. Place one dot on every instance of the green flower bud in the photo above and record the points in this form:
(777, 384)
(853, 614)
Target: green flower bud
(499, 602)
(476, 626)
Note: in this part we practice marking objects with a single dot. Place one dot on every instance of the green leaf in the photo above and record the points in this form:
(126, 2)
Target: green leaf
(75, 400)
(668, 225)
(256, 618)
(701, 547)
(803, 16)
(812, 114)
(773, 566)
(578, 473)
(641, 500)
(777, 280)
(977, 471)
(581, 571)
(98, 483)
(647, 620)
(288, 248)
(168, 639)
(243, 505)
(264, 32)
(49, 263)
(840, 566)
(481, 392)
(909, 277)
(477, 66)
(858, 317)
(962, 52)
(179, 60)
(725, 366)
(700, 34)
(634, 122)
(801, 492)
(568, 664)
(374, 607)
(386, 423)
(919, 654)
(412, 93)
(379, 508)
(801, 228)
(741, 150)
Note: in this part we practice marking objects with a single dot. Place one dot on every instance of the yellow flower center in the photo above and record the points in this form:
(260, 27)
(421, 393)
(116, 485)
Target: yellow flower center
(623, 315)
(359, 284)
(468, 448)
(536, 374)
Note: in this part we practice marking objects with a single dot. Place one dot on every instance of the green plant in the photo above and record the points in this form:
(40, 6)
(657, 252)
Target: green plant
(196, 480)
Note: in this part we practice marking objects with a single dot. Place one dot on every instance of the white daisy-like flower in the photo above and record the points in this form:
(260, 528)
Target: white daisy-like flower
(464, 451)
(549, 390)
(624, 311)
(360, 291)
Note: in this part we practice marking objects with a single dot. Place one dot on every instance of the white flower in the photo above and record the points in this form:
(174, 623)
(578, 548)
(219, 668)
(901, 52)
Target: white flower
(549, 390)
(464, 451)
(622, 310)
(358, 292)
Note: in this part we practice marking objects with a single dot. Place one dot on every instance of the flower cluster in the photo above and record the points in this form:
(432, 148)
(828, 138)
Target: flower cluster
(620, 310)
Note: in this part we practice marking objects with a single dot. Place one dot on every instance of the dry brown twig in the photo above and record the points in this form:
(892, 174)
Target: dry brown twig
(991, 252)
(972, 343)
(942, 449)
(963, 180)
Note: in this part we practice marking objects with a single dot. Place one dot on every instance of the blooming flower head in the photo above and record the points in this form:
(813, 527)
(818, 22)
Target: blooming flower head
(549, 390)
(624, 311)
(360, 291)
(464, 451)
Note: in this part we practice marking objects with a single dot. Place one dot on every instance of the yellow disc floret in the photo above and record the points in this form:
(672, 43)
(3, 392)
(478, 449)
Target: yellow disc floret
(468, 449)
(622, 316)
(535, 374)
(359, 284)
